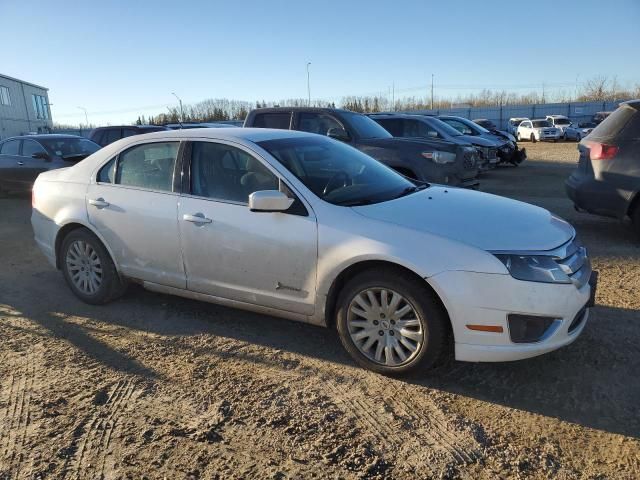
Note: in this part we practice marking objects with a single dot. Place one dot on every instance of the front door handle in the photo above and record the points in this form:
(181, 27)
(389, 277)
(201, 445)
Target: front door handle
(98, 202)
(196, 218)
(20, 163)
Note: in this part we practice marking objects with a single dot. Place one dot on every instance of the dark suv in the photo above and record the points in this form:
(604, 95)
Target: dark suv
(431, 160)
(412, 126)
(607, 179)
(103, 136)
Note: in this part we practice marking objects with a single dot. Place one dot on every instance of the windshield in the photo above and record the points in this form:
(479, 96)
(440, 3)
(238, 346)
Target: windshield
(541, 124)
(365, 127)
(516, 122)
(338, 173)
(561, 121)
(69, 147)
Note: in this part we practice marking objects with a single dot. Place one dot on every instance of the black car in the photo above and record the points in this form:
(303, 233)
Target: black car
(23, 158)
(103, 136)
(598, 117)
(508, 151)
(425, 159)
(607, 179)
(411, 126)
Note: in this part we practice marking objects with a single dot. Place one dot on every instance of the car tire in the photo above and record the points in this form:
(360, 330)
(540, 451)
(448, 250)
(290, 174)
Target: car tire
(518, 137)
(359, 316)
(533, 138)
(564, 137)
(88, 269)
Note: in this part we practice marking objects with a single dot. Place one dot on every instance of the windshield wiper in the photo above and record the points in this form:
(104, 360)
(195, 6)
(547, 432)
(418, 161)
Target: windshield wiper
(410, 190)
(357, 203)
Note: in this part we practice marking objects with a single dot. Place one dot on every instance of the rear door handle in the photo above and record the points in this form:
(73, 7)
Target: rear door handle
(98, 202)
(20, 163)
(196, 218)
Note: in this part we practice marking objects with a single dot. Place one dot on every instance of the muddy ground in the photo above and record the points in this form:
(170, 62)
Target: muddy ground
(153, 386)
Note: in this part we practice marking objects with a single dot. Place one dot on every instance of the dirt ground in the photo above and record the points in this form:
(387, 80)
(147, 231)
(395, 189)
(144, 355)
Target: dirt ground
(153, 386)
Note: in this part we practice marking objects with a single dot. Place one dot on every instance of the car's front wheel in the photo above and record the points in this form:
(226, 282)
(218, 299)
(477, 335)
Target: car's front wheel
(389, 323)
(635, 219)
(88, 268)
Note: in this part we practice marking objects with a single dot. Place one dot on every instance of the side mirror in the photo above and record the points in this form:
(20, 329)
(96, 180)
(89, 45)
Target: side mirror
(269, 201)
(41, 156)
(339, 134)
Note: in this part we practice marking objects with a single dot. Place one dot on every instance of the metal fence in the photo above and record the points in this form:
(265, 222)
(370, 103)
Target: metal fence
(500, 115)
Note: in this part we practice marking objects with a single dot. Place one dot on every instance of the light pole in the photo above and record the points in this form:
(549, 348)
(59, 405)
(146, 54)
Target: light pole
(180, 101)
(432, 91)
(308, 86)
(86, 118)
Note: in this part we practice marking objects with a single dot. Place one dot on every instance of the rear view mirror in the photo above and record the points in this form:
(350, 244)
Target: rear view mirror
(41, 155)
(339, 134)
(269, 201)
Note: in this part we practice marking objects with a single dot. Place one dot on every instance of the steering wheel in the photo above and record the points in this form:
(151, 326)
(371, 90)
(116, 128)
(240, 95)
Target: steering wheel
(334, 182)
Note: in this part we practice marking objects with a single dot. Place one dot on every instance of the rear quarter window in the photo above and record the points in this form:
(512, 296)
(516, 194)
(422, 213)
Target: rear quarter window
(281, 121)
(623, 124)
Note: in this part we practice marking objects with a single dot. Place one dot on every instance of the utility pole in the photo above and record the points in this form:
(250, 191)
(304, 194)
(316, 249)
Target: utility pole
(86, 118)
(308, 86)
(432, 91)
(576, 92)
(393, 96)
(543, 100)
(181, 111)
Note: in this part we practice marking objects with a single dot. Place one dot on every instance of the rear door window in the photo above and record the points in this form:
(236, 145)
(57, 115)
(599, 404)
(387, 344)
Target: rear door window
(129, 132)
(281, 121)
(10, 148)
(393, 126)
(111, 136)
(150, 166)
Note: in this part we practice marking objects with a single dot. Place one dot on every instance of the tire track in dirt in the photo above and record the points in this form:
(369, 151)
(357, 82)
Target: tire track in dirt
(92, 445)
(415, 431)
(16, 417)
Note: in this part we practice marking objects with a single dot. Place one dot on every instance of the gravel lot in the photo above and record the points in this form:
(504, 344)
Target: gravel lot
(154, 386)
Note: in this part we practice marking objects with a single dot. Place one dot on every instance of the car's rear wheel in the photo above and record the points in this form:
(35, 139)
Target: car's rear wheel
(533, 138)
(88, 268)
(389, 323)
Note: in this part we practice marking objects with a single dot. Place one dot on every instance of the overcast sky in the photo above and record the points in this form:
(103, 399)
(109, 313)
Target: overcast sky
(119, 59)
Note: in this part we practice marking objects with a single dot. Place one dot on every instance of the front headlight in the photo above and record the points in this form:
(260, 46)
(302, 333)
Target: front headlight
(440, 157)
(533, 268)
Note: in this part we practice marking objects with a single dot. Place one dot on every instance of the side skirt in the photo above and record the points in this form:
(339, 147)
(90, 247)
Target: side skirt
(203, 297)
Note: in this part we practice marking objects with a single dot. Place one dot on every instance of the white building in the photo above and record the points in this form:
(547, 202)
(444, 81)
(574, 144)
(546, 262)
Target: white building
(24, 108)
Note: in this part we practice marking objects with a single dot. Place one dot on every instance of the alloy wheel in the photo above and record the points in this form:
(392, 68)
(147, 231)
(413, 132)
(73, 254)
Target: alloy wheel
(84, 267)
(385, 327)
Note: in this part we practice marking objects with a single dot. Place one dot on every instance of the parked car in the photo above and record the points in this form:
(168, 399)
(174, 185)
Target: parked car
(424, 159)
(599, 117)
(508, 151)
(23, 158)
(512, 124)
(607, 178)
(573, 132)
(537, 130)
(420, 126)
(103, 136)
(560, 122)
(301, 226)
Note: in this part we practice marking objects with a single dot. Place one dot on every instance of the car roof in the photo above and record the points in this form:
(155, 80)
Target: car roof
(128, 126)
(557, 116)
(44, 136)
(300, 109)
(232, 133)
(538, 119)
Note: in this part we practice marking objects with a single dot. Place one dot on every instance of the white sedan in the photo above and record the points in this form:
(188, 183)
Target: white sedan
(304, 227)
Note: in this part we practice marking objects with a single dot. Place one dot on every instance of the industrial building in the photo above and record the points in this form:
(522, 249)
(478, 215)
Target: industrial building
(24, 108)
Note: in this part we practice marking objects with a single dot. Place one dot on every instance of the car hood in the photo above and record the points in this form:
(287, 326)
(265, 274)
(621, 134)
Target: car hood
(486, 221)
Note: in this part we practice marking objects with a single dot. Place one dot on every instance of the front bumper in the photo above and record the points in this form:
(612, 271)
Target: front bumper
(487, 299)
